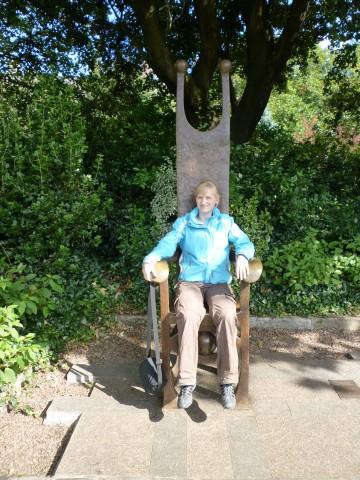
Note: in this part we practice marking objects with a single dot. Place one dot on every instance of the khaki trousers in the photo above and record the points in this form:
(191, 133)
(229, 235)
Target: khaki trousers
(190, 310)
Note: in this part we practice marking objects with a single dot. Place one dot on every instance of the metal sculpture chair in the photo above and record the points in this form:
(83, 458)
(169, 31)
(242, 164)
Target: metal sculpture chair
(203, 155)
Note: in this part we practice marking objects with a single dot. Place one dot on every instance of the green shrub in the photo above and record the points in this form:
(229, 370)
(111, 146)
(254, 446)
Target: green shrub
(136, 237)
(309, 262)
(164, 202)
(87, 301)
(311, 275)
(255, 223)
(62, 308)
(18, 353)
(32, 295)
(49, 204)
(302, 185)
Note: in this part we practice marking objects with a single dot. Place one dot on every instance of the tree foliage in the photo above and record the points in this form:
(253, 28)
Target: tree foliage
(262, 38)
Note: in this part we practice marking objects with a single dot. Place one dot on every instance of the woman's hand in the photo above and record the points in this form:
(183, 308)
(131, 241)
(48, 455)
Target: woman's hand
(147, 270)
(241, 267)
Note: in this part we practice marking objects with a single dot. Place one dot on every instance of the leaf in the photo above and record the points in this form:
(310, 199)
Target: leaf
(30, 276)
(14, 333)
(32, 355)
(55, 286)
(30, 411)
(45, 292)
(21, 308)
(31, 306)
(9, 375)
(20, 362)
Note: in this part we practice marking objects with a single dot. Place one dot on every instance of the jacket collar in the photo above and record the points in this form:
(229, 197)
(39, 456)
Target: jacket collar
(195, 221)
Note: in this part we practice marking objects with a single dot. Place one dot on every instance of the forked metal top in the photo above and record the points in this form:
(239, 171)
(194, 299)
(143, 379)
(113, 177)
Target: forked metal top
(202, 155)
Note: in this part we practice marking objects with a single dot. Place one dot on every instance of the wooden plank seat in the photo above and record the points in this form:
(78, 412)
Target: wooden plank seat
(169, 344)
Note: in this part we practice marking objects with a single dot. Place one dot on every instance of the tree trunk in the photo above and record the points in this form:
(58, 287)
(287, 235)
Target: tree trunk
(248, 112)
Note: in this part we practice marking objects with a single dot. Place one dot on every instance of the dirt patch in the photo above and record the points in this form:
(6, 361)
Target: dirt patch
(321, 344)
(27, 447)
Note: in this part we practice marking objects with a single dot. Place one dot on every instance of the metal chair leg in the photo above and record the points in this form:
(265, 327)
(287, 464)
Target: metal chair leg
(242, 391)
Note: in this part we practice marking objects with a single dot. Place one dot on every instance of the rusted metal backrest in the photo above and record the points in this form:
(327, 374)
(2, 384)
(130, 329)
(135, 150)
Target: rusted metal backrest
(202, 155)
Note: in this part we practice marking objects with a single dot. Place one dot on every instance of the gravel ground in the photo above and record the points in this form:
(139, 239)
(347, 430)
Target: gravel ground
(27, 447)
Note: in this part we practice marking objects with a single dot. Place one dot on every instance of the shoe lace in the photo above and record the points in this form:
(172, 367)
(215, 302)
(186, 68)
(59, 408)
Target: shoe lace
(187, 390)
(227, 390)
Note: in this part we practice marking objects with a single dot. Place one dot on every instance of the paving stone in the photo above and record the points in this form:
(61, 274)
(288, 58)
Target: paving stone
(65, 410)
(309, 448)
(208, 451)
(269, 407)
(109, 444)
(349, 369)
(333, 408)
(298, 387)
(121, 396)
(246, 447)
(169, 453)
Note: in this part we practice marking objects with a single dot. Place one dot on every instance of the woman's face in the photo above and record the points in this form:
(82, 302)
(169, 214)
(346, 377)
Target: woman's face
(206, 200)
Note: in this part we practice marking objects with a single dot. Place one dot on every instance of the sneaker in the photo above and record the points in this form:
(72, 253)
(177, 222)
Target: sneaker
(228, 399)
(185, 398)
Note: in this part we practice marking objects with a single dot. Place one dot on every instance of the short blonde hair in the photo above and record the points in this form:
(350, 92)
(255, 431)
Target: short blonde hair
(207, 184)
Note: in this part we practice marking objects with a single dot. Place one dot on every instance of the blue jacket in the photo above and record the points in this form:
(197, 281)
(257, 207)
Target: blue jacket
(205, 247)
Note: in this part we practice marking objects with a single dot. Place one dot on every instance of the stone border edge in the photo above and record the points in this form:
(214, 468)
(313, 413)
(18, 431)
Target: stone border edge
(292, 322)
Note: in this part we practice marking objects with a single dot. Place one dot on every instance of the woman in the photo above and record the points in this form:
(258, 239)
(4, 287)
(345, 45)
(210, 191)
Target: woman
(204, 236)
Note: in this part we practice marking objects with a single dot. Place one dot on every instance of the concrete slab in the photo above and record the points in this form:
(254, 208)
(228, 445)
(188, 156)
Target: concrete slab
(65, 410)
(208, 449)
(309, 448)
(344, 322)
(109, 444)
(328, 408)
(284, 364)
(169, 452)
(268, 407)
(246, 447)
(298, 387)
(293, 322)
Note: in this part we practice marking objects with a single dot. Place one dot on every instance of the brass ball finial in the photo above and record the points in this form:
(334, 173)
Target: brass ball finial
(181, 66)
(160, 272)
(225, 66)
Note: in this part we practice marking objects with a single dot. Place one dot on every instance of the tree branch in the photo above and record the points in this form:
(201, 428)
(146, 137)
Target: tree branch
(260, 40)
(209, 45)
(266, 59)
(159, 56)
(297, 16)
